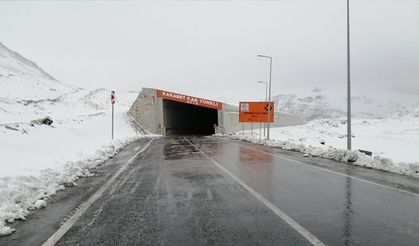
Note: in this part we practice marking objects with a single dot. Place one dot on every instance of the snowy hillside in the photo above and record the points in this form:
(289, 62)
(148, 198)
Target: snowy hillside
(323, 104)
(17, 64)
(412, 111)
(382, 125)
(22, 81)
(310, 107)
(387, 129)
(393, 142)
(37, 160)
(28, 92)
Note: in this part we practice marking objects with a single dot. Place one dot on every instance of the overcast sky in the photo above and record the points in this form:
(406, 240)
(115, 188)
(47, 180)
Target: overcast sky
(209, 49)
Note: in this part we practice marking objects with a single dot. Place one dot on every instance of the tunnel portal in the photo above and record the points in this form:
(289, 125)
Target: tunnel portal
(170, 113)
(187, 119)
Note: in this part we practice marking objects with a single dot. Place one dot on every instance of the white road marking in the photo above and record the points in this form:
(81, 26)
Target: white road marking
(85, 205)
(134, 188)
(327, 170)
(301, 230)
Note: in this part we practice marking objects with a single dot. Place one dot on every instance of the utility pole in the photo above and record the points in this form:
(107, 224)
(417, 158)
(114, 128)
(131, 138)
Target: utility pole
(269, 97)
(266, 99)
(349, 116)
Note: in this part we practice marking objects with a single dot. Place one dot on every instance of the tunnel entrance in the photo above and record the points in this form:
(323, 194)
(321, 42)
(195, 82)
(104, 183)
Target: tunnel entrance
(187, 119)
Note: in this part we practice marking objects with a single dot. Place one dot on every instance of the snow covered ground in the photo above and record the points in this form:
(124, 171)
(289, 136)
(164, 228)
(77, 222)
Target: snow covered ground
(387, 124)
(36, 160)
(393, 141)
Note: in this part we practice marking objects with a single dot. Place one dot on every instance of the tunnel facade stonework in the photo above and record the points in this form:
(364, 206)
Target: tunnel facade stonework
(150, 112)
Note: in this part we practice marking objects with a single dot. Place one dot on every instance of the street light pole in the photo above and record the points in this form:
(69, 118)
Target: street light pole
(349, 120)
(269, 96)
(266, 99)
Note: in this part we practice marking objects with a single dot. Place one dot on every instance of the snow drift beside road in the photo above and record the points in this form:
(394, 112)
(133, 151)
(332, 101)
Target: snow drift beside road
(37, 160)
(384, 123)
(393, 142)
(22, 193)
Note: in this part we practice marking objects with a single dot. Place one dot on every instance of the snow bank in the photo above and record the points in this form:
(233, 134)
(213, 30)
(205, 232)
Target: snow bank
(326, 139)
(19, 195)
(38, 160)
(37, 176)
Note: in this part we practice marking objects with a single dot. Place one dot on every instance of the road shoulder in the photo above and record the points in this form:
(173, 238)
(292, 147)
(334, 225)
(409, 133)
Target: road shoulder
(40, 224)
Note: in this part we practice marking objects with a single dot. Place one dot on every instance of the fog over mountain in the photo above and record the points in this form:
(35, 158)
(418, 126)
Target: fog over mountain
(320, 104)
(25, 86)
(209, 49)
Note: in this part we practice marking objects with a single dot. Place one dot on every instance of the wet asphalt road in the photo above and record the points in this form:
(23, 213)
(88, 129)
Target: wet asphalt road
(175, 194)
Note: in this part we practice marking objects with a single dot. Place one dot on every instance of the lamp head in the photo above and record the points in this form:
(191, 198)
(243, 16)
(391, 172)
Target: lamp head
(265, 56)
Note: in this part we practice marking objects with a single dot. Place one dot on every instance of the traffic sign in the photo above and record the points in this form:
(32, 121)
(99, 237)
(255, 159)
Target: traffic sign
(256, 112)
(113, 114)
(189, 100)
(113, 97)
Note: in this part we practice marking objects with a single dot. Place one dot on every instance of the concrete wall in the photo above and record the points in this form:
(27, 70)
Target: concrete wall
(231, 123)
(147, 111)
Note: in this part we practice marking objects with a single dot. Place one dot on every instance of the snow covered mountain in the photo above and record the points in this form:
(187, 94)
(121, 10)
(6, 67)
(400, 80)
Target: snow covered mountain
(28, 92)
(21, 80)
(13, 61)
(321, 104)
(411, 111)
(308, 107)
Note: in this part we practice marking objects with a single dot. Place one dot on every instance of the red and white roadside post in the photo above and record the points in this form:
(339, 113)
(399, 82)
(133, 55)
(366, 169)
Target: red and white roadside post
(113, 103)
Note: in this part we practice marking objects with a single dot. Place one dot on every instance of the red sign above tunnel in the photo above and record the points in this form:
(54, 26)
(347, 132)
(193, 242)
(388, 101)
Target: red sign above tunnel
(189, 100)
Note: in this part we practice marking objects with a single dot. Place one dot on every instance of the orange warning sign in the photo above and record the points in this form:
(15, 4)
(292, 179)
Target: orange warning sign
(256, 111)
(189, 99)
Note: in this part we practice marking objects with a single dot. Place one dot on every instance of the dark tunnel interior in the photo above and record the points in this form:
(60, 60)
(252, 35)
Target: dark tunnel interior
(187, 119)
